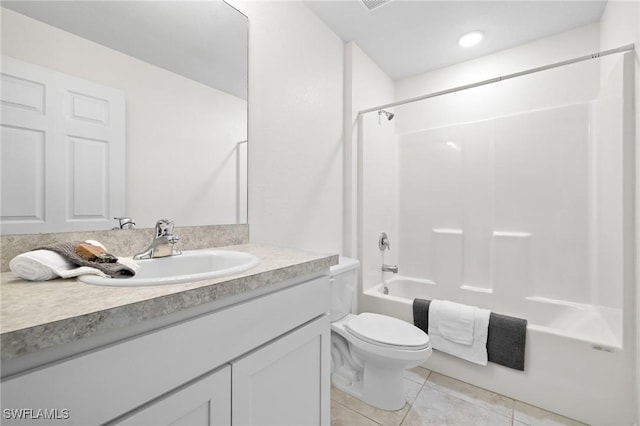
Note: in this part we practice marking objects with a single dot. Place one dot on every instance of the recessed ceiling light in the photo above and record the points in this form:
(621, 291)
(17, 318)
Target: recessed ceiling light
(470, 39)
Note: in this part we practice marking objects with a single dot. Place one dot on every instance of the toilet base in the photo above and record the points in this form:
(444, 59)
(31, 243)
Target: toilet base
(372, 373)
(383, 390)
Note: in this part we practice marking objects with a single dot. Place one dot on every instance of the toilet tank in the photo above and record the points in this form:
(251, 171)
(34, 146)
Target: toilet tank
(344, 277)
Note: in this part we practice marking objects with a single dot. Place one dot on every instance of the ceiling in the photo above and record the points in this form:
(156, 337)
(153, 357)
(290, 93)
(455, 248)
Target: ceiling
(205, 41)
(410, 37)
(404, 37)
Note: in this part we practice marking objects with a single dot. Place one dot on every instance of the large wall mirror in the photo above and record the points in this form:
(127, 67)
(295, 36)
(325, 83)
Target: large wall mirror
(182, 67)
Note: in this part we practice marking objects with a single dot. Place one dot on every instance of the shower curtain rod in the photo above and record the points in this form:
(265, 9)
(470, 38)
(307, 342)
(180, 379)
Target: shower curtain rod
(621, 49)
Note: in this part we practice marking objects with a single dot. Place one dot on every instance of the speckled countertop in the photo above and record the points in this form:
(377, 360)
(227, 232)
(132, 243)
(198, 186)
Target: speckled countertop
(38, 315)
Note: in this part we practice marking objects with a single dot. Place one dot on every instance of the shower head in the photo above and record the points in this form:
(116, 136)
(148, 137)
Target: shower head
(387, 114)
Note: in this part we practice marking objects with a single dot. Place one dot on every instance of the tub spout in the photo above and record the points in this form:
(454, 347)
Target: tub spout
(390, 268)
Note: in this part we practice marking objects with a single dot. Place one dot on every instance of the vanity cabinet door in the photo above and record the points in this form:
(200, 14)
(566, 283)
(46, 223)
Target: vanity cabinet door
(205, 402)
(285, 382)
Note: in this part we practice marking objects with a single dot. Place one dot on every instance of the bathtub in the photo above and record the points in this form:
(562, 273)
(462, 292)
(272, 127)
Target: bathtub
(574, 359)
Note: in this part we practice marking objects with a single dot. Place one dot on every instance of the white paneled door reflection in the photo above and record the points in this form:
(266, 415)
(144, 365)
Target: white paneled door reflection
(62, 152)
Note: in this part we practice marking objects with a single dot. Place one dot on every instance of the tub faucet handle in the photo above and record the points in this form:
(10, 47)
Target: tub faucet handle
(383, 242)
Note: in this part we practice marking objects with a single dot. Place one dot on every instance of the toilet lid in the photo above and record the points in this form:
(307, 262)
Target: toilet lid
(378, 328)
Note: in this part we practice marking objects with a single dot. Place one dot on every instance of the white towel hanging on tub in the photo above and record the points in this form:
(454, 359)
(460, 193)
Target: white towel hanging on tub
(455, 321)
(459, 330)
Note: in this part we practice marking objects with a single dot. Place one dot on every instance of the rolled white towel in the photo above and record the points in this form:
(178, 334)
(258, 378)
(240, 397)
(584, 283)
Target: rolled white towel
(38, 265)
(43, 265)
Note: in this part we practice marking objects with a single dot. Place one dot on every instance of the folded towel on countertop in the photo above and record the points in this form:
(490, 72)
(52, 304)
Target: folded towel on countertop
(506, 335)
(43, 265)
(61, 260)
(443, 312)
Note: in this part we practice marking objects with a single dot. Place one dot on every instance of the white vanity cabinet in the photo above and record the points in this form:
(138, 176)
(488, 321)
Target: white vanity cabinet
(206, 402)
(261, 361)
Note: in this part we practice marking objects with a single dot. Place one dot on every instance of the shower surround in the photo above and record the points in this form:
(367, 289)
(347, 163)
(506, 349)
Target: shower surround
(516, 197)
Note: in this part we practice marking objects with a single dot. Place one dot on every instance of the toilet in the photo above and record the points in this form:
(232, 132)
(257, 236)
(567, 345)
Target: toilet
(369, 352)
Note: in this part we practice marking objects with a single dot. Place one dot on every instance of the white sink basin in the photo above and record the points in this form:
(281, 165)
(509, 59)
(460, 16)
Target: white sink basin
(193, 265)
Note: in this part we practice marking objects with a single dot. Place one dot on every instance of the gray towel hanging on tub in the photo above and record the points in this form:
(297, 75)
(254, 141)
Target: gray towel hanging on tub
(506, 338)
(421, 314)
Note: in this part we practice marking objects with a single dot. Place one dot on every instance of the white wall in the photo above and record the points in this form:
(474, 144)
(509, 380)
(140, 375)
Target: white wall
(581, 41)
(181, 135)
(368, 87)
(295, 128)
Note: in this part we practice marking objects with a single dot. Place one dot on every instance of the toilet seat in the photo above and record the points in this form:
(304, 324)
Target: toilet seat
(387, 331)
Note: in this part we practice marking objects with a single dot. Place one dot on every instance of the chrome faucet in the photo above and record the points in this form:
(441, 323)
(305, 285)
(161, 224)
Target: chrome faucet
(162, 244)
(390, 268)
(124, 223)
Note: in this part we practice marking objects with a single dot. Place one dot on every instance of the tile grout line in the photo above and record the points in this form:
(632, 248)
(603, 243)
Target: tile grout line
(410, 406)
(415, 399)
(356, 412)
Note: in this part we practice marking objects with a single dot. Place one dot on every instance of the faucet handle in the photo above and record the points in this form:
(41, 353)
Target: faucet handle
(383, 242)
(164, 227)
(125, 223)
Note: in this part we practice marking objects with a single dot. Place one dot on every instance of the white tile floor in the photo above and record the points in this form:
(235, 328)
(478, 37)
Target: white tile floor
(434, 399)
